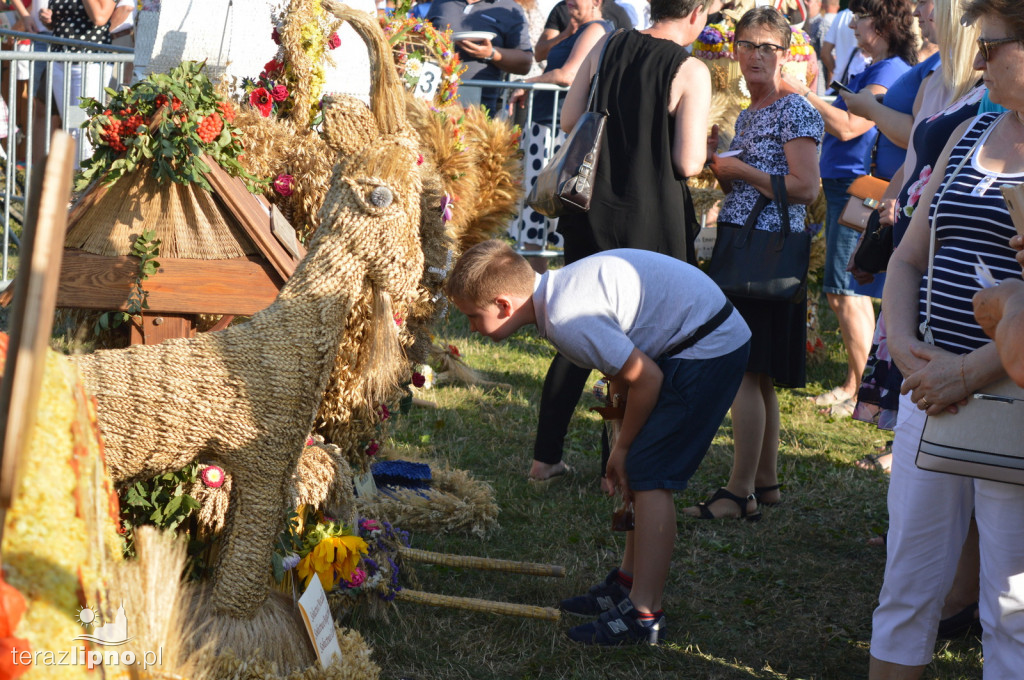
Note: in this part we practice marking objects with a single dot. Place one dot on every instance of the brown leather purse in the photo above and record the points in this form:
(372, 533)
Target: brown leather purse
(866, 194)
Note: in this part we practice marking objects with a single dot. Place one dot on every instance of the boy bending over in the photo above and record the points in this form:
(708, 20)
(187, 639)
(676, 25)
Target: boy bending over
(676, 351)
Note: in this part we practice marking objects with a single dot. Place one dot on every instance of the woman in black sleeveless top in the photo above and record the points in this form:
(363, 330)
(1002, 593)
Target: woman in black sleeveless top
(656, 135)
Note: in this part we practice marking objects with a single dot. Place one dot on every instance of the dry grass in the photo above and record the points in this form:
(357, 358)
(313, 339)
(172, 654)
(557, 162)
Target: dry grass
(790, 597)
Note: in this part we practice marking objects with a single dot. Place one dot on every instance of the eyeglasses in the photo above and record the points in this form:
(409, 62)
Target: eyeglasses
(766, 49)
(985, 46)
(859, 16)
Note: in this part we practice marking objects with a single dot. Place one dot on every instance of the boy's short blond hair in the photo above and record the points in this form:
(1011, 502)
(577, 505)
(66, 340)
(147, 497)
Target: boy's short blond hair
(487, 270)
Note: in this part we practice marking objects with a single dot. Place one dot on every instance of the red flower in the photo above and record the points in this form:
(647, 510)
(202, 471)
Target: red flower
(384, 411)
(284, 185)
(272, 66)
(279, 93)
(418, 380)
(334, 41)
(262, 100)
(275, 36)
(372, 447)
(212, 476)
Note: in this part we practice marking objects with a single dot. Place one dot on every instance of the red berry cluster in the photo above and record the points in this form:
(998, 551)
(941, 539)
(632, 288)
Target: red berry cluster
(116, 131)
(210, 127)
(162, 101)
(227, 111)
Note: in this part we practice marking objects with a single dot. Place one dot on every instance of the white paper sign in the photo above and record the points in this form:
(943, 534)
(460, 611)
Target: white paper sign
(430, 80)
(316, 613)
(365, 486)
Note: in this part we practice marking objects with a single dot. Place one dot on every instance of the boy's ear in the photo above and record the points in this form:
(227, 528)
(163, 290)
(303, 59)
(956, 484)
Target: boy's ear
(504, 305)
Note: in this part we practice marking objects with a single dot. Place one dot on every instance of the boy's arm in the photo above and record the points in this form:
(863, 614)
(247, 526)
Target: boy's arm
(641, 379)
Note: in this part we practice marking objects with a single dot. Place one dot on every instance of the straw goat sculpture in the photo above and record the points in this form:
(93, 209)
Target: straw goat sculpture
(246, 397)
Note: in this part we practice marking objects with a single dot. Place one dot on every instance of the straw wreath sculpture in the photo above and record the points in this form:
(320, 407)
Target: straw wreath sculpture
(246, 398)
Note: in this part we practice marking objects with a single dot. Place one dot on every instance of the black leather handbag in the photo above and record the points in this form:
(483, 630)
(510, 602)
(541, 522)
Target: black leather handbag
(875, 248)
(758, 264)
(566, 184)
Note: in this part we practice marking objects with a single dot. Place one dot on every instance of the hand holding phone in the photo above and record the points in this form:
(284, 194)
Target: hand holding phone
(839, 87)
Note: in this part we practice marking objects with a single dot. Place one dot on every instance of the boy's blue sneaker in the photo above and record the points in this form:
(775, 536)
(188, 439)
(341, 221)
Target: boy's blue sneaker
(619, 626)
(599, 598)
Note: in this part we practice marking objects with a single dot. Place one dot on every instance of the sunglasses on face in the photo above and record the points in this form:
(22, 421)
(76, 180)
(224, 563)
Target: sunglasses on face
(985, 46)
(766, 49)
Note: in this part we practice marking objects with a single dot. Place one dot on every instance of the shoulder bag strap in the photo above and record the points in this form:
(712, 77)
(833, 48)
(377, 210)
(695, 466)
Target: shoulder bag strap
(925, 329)
(781, 196)
(597, 71)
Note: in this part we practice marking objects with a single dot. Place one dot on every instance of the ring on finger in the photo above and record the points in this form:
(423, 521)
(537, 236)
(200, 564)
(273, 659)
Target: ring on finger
(925, 403)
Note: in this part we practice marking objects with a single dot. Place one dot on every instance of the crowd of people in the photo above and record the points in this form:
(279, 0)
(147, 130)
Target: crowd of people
(930, 97)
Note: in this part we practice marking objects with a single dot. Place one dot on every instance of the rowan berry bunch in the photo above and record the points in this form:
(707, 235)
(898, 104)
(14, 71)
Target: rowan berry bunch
(173, 124)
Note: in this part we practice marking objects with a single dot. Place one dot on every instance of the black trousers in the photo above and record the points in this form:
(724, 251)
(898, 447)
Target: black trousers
(563, 386)
(564, 381)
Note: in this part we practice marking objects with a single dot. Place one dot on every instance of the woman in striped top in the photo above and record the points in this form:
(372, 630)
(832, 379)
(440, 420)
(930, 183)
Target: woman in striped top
(929, 512)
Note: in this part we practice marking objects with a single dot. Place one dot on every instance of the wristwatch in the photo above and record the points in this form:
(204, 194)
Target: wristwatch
(489, 58)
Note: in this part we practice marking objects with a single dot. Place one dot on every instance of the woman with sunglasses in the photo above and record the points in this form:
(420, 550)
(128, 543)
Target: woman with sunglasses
(884, 32)
(929, 512)
(777, 135)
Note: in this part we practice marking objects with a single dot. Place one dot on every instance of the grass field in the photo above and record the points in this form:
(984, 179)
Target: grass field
(788, 597)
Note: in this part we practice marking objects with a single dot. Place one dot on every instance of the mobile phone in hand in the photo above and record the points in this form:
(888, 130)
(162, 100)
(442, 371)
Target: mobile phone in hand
(839, 87)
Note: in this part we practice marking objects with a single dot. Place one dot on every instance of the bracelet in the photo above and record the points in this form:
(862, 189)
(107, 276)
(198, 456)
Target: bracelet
(490, 57)
(963, 378)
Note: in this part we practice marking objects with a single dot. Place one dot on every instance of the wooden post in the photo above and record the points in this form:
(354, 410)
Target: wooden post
(32, 306)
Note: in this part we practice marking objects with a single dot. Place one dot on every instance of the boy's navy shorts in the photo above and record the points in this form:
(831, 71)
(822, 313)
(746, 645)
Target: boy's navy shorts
(695, 395)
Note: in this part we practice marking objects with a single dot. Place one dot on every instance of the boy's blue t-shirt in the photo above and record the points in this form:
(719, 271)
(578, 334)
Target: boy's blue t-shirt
(843, 160)
(900, 97)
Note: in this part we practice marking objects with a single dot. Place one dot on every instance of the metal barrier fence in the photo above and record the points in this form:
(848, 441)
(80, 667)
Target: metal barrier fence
(76, 74)
(519, 226)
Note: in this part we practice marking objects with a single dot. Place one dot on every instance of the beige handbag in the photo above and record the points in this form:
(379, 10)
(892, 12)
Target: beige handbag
(984, 438)
(866, 194)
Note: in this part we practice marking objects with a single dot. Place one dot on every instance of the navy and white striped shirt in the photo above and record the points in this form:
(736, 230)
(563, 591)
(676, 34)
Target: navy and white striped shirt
(972, 222)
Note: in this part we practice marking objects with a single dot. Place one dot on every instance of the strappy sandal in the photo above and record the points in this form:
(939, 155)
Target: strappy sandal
(761, 490)
(741, 503)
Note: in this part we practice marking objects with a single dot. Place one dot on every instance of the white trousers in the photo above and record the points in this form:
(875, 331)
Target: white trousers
(929, 514)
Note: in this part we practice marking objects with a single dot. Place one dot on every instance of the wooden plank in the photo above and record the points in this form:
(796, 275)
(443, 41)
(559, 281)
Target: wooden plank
(240, 286)
(32, 308)
(253, 217)
(156, 328)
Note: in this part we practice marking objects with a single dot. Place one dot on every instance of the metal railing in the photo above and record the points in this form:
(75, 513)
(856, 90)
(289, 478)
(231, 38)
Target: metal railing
(102, 67)
(519, 225)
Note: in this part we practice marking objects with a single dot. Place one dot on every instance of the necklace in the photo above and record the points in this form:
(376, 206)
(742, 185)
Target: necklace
(764, 99)
(755, 107)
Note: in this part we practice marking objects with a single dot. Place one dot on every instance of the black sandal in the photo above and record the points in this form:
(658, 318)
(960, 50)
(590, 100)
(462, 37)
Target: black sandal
(759, 490)
(741, 503)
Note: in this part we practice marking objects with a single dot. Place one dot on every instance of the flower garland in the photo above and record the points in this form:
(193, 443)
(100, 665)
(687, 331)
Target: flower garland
(415, 42)
(167, 121)
(273, 92)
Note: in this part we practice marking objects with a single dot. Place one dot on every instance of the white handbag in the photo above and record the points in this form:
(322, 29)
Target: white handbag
(984, 438)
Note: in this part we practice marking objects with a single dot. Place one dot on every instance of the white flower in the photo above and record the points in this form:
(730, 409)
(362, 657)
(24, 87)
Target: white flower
(414, 68)
(290, 561)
